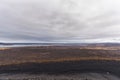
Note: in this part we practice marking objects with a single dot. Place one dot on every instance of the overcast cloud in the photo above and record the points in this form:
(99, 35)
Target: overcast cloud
(59, 20)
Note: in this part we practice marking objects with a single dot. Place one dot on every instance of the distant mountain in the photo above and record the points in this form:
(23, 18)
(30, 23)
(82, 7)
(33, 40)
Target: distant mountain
(65, 44)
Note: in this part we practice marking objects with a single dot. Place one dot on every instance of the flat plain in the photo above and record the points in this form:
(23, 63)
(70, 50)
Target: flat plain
(47, 54)
(59, 60)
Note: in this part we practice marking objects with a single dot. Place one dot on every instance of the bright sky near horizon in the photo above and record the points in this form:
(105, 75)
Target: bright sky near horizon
(59, 21)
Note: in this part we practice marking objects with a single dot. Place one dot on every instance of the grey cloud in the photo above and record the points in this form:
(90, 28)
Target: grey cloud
(58, 20)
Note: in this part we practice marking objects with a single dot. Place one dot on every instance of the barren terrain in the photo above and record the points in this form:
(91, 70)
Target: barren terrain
(46, 54)
(57, 60)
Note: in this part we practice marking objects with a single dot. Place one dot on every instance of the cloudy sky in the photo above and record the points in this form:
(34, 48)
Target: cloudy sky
(59, 21)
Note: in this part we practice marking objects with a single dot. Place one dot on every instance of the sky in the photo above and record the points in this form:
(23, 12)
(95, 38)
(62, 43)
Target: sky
(69, 21)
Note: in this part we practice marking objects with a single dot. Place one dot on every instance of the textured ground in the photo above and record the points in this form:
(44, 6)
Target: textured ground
(83, 76)
(57, 54)
(99, 63)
